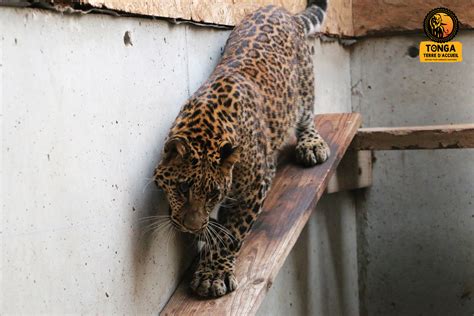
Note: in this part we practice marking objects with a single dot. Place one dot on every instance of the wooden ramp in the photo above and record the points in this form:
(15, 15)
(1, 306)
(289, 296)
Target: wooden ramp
(291, 200)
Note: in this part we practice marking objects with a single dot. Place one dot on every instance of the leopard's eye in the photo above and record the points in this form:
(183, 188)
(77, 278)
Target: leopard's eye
(183, 187)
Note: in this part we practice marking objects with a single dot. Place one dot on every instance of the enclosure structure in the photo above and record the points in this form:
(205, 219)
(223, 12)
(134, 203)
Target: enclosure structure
(87, 100)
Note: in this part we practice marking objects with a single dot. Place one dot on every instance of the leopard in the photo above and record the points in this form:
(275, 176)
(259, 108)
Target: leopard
(221, 152)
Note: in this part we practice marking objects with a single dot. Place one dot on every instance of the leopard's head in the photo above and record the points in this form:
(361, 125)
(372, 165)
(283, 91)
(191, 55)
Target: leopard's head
(195, 180)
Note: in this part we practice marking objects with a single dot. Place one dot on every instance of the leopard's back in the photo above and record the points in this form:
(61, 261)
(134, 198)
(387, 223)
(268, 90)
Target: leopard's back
(269, 50)
(264, 81)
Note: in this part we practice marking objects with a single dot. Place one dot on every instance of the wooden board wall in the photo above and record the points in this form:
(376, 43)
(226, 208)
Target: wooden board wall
(339, 18)
(388, 16)
(225, 12)
(346, 18)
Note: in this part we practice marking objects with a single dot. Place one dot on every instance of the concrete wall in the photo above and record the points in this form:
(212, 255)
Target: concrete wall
(84, 117)
(416, 223)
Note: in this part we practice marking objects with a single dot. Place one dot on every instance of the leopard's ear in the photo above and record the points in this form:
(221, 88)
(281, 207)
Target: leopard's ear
(176, 149)
(229, 155)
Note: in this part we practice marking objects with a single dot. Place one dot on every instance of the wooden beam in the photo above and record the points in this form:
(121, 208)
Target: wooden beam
(354, 172)
(294, 194)
(419, 137)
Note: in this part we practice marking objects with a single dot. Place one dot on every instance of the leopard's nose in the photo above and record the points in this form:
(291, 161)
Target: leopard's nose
(192, 220)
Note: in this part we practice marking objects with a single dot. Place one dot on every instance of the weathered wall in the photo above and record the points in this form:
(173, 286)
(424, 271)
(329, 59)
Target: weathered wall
(84, 118)
(345, 18)
(416, 223)
(382, 16)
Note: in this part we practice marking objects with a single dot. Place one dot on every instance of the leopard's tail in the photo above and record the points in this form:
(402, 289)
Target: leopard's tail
(312, 18)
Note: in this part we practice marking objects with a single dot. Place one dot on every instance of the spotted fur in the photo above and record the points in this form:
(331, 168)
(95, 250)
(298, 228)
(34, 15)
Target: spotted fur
(221, 150)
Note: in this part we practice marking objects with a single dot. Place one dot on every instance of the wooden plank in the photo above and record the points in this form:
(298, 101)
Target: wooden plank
(418, 137)
(293, 197)
(354, 172)
(222, 12)
(382, 16)
(338, 21)
(346, 18)
(214, 12)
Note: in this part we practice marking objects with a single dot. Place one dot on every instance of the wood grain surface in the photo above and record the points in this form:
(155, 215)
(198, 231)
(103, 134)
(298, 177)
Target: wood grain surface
(354, 172)
(418, 137)
(345, 18)
(291, 200)
(222, 12)
(391, 16)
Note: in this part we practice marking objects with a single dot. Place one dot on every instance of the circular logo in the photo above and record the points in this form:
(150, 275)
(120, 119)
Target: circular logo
(441, 25)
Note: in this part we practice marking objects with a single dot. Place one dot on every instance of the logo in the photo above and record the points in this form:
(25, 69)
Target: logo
(441, 26)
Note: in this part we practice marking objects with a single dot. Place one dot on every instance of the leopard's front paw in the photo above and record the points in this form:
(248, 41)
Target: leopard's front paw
(312, 151)
(208, 283)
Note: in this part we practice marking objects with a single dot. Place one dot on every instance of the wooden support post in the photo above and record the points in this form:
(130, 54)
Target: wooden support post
(354, 172)
(294, 194)
(355, 169)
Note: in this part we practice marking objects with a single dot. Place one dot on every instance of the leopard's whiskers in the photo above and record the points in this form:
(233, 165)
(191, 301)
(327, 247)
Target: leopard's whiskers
(216, 234)
(231, 198)
(211, 241)
(154, 220)
(171, 235)
(208, 243)
(217, 224)
(151, 227)
(167, 233)
(223, 229)
(160, 227)
(217, 241)
(148, 181)
(159, 223)
(153, 217)
(219, 229)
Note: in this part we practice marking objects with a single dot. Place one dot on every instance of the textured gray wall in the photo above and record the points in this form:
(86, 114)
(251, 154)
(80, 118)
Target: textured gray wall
(84, 118)
(416, 223)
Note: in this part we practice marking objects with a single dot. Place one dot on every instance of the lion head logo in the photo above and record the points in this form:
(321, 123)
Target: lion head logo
(437, 26)
(441, 25)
